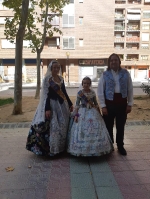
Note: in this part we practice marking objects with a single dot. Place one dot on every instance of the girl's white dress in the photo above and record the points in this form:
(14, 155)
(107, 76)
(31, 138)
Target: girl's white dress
(89, 136)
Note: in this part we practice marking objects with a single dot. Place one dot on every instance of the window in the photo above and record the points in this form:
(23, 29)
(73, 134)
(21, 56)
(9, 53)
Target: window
(2, 20)
(145, 36)
(80, 1)
(6, 44)
(53, 42)
(144, 46)
(81, 20)
(68, 43)
(71, 1)
(145, 25)
(144, 57)
(52, 19)
(68, 20)
(146, 14)
(80, 42)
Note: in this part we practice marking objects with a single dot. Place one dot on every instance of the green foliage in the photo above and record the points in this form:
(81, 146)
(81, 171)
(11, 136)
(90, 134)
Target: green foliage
(33, 33)
(146, 89)
(6, 101)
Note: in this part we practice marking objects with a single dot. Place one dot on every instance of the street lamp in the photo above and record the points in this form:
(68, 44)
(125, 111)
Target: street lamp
(68, 54)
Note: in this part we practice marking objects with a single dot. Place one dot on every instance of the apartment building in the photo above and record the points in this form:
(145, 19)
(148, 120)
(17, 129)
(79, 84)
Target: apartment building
(92, 30)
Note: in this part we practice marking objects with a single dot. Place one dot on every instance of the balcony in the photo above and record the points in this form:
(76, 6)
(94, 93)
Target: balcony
(118, 28)
(119, 40)
(132, 58)
(120, 1)
(133, 27)
(132, 46)
(120, 47)
(135, 17)
(132, 39)
(134, 1)
(119, 16)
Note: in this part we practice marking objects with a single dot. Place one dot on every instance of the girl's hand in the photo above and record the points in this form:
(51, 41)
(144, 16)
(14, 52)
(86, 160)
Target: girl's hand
(47, 114)
(104, 111)
(76, 119)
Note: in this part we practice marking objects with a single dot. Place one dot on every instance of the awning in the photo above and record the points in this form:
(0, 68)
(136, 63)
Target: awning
(8, 61)
(30, 61)
(134, 10)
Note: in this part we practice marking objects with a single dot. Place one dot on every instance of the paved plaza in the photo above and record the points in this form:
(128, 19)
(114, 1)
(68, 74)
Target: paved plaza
(67, 177)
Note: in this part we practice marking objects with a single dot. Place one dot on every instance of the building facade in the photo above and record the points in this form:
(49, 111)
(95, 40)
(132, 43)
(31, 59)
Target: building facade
(92, 30)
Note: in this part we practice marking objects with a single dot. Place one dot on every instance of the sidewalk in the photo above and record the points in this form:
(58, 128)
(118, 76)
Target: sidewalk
(67, 177)
(5, 86)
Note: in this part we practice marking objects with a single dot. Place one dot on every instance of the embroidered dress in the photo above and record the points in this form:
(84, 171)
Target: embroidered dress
(48, 137)
(89, 136)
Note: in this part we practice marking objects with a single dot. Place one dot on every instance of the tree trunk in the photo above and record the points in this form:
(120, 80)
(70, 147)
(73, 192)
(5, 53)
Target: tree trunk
(38, 64)
(18, 59)
(18, 77)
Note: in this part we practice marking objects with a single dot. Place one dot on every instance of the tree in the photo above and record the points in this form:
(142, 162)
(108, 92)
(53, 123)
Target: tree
(15, 28)
(38, 36)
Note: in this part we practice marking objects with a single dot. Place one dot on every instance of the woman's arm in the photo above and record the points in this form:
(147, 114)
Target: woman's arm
(47, 107)
(66, 95)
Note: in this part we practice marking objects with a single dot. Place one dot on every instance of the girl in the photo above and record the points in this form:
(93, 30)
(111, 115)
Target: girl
(88, 135)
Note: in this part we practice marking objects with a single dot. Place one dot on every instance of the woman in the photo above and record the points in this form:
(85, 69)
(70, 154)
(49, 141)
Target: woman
(88, 135)
(47, 135)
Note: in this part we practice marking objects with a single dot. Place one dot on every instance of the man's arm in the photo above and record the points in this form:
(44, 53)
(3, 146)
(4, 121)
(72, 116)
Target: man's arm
(100, 92)
(130, 91)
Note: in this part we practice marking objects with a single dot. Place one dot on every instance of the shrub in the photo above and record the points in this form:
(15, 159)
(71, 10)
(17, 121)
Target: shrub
(146, 89)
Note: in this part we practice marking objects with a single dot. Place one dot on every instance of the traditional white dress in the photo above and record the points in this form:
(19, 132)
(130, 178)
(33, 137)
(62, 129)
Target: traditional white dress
(89, 136)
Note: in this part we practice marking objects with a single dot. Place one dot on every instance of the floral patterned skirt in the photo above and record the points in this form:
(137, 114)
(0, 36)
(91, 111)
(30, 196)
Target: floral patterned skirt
(49, 137)
(89, 137)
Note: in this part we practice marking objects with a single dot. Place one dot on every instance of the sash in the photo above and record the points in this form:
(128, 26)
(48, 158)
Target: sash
(80, 93)
(57, 89)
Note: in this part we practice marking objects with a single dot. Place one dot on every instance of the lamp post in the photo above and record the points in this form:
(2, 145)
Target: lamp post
(68, 54)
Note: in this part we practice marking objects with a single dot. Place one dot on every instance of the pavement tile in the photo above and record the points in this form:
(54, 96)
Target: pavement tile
(58, 193)
(104, 179)
(125, 178)
(98, 164)
(119, 165)
(133, 155)
(148, 187)
(108, 192)
(81, 180)
(83, 193)
(11, 194)
(79, 165)
(145, 155)
(134, 191)
(144, 176)
(139, 165)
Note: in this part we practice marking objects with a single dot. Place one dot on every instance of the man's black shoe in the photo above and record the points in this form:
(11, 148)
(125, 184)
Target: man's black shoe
(122, 151)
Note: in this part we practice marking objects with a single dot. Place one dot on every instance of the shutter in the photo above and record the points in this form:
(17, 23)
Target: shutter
(71, 43)
(71, 21)
(65, 43)
(65, 20)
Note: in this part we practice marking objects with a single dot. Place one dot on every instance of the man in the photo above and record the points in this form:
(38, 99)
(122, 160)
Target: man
(115, 93)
